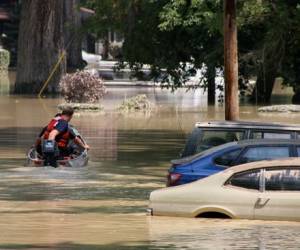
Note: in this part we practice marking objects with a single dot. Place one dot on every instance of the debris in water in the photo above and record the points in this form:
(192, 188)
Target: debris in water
(136, 103)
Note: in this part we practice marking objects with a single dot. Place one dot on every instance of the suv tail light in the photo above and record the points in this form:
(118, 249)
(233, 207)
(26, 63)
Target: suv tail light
(173, 179)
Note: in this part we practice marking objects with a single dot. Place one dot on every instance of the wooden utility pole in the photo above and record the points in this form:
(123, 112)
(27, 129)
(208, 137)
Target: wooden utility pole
(231, 61)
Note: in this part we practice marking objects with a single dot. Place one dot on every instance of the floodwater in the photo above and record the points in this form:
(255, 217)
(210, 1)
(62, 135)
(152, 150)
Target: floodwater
(103, 205)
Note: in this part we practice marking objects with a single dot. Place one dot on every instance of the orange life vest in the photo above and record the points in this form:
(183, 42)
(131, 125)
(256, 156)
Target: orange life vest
(62, 139)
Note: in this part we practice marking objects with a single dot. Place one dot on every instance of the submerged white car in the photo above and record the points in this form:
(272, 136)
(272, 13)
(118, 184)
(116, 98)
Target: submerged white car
(268, 190)
(91, 58)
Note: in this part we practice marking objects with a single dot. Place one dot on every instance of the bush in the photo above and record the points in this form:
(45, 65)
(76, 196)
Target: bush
(4, 59)
(82, 87)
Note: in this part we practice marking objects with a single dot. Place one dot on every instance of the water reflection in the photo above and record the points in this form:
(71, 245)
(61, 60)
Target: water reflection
(224, 234)
(102, 206)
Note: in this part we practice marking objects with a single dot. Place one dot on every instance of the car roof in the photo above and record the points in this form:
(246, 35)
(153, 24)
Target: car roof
(284, 162)
(247, 125)
(242, 143)
(204, 153)
(267, 142)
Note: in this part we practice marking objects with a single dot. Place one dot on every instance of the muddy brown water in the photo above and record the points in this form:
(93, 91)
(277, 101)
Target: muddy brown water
(103, 205)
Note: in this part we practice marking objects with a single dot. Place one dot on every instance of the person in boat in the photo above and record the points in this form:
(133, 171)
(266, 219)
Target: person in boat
(54, 139)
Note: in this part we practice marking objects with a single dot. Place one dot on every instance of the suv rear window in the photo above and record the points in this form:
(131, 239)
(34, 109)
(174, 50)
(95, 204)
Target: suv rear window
(270, 135)
(202, 139)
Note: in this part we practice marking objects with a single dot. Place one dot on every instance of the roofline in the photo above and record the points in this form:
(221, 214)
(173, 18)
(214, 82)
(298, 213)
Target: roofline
(240, 144)
(285, 162)
(246, 124)
(263, 142)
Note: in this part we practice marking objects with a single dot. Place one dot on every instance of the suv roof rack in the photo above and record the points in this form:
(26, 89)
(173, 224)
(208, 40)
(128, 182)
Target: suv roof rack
(247, 124)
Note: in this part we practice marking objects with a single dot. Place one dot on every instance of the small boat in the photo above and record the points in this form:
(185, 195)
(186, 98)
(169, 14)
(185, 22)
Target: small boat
(78, 158)
(34, 159)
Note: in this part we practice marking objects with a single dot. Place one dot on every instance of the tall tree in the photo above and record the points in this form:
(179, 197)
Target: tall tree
(40, 45)
(73, 33)
(178, 37)
(111, 15)
(277, 25)
(284, 41)
(200, 22)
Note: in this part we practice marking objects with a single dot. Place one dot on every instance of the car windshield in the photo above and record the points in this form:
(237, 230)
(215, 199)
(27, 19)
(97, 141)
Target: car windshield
(203, 139)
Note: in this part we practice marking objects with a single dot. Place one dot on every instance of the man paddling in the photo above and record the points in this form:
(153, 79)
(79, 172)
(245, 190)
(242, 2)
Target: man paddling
(54, 139)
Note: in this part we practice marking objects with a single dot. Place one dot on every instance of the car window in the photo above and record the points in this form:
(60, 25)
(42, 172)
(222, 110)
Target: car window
(227, 159)
(248, 179)
(287, 179)
(264, 153)
(191, 144)
(298, 151)
(270, 135)
(212, 138)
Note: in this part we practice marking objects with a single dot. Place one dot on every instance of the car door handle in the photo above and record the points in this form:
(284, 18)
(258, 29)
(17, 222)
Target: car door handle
(261, 202)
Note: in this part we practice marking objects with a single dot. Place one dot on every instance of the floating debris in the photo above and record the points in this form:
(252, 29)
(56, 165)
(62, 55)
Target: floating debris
(290, 108)
(136, 103)
(82, 106)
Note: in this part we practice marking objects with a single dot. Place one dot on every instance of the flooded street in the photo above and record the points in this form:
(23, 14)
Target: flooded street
(103, 205)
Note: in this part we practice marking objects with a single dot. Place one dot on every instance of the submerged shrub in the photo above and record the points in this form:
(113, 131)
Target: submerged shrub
(82, 87)
(136, 103)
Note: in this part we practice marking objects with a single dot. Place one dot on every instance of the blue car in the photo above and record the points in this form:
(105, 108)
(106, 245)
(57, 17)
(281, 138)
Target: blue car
(217, 159)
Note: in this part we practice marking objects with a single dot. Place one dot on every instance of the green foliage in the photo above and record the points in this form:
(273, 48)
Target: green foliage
(110, 14)
(286, 40)
(177, 37)
(4, 59)
(207, 14)
(197, 25)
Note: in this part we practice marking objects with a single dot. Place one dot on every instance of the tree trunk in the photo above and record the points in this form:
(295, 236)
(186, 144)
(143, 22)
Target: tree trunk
(231, 61)
(73, 37)
(90, 44)
(211, 85)
(264, 84)
(105, 53)
(268, 70)
(40, 45)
